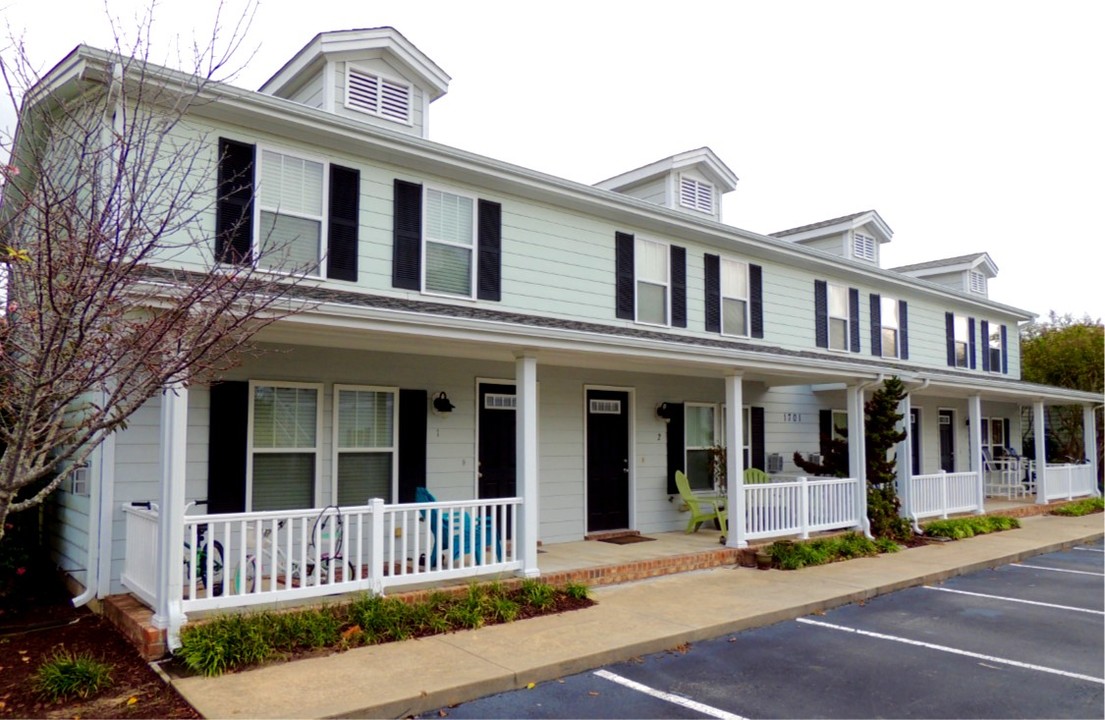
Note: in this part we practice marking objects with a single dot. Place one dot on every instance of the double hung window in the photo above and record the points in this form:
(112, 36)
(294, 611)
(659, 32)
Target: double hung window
(449, 242)
(994, 347)
(366, 444)
(890, 327)
(700, 435)
(651, 272)
(734, 297)
(962, 341)
(838, 317)
(284, 445)
(292, 219)
(993, 437)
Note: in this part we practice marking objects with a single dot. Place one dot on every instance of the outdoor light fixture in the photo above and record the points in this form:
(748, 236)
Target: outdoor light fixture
(442, 404)
(664, 412)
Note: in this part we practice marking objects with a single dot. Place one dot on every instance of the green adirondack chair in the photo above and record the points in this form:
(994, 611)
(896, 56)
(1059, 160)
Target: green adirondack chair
(755, 476)
(702, 507)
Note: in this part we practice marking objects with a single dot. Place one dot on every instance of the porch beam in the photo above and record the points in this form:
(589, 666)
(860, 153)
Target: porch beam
(1039, 429)
(974, 446)
(525, 379)
(170, 537)
(734, 460)
(1089, 441)
(857, 455)
(905, 459)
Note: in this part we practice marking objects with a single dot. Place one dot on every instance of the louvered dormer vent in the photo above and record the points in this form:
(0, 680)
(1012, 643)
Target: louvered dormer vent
(696, 195)
(378, 96)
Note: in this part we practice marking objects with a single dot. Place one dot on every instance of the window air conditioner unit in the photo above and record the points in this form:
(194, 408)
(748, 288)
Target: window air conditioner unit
(815, 458)
(774, 463)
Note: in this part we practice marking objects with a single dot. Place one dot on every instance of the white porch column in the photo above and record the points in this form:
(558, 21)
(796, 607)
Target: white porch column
(1039, 430)
(905, 459)
(734, 460)
(170, 537)
(974, 445)
(1089, 441)
(525, 380)
(857, 453)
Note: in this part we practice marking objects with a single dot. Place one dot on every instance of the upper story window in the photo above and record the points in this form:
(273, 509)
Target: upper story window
(284, 445)
(696, 195)
(864, 247)
(734, 297)
(376, 95)
(962, 341)
(993, 347)
(976, 282)
(291, 215)
(449, 237)
(838, 317)
(366, 444)
(286, 212)
(891, 327)
(651, 271)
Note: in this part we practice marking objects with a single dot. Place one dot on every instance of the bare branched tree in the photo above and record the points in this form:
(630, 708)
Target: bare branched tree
(108, 237)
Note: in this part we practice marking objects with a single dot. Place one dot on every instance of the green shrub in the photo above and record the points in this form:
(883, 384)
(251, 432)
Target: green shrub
(225, 643)
(1081, 507)
(965, 527)
(576, 591)
(309, 629)
(791, 555)
(538, 594)
(65, 675)
(503, 609)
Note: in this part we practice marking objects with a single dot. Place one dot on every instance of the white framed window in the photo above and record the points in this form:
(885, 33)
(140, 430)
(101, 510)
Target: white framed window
(962, 341)
(696, 195)
(448, 243)
(746, 433)
(734, 297)
(864, 247)
(291, 218)
(839, 332)
(976, 282)
(377, 95)
(994, 347)
(993, 437)
(78, 480)
(699, 436)
(284, 434)
(651, 271)
(888, 316)
(839, 420)
(366, 444)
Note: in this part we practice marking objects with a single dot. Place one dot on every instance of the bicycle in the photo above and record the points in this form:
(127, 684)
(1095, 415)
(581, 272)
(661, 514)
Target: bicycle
(323, 546)
(199, 559)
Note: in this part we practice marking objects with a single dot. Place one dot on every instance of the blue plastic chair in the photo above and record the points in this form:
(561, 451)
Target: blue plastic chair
(456, 531)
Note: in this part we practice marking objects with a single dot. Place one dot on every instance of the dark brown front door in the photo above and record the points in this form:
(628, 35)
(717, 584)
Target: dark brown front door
(607, 459)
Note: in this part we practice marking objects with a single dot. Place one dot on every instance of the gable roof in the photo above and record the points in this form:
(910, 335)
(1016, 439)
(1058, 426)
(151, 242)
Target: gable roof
(702, 159)
(981, 261)
(843, 223)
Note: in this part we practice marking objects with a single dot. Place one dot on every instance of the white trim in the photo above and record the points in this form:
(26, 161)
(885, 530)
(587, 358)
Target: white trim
(381, 79)
(472, 248)
(320, 388)
(747, 299)
(829, 317)
(324, 230)
(637, 240)
(896, 327)
(864, 247)
(631, 450)
(335, 443)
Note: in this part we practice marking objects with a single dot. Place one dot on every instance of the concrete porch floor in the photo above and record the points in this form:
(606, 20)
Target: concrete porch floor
(591, 562)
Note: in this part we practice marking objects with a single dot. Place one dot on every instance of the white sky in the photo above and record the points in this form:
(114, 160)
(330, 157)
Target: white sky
(969, 125)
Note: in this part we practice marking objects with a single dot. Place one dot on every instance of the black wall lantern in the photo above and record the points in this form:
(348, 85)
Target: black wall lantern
(442, 404)
(664, 411)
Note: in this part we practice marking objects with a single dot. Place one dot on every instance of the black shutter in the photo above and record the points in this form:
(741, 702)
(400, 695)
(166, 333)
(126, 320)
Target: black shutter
(344, 221)
(712, 266)
(413, 408)
(903, 329)
(876, 324)
(985, 330)
(756, 301)
(758, 453)
(234, 203)
(821, 312)
(853, 317)
(971, 342)
(825, 432)
(678, 286)
(676, 452)
(1004, 352)
(623, 269)
(489, 281)
(226, 447)
(949, 329)
(406, 260)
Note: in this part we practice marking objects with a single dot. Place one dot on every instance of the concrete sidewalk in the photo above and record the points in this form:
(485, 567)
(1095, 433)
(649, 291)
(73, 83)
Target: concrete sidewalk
(404, 678)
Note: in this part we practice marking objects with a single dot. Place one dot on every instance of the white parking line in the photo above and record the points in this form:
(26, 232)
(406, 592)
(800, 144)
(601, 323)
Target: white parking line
(954, 651)
(1015, 600)
(1090, 549)
(1064, 570)
(676, 699)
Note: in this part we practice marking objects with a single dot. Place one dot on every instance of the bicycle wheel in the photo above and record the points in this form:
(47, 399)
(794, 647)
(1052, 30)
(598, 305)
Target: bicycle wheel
(216, 549)
(245, 576)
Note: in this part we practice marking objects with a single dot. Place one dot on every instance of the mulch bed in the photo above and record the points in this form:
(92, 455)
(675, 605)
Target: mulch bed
(37, 620)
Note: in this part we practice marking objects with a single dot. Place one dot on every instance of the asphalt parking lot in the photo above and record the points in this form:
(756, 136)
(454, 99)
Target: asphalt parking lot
(1021, 641)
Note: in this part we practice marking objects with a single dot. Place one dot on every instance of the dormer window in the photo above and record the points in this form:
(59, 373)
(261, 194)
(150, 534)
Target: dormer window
(976, 282)
(377, 95)
(696, 195)
(863, 247)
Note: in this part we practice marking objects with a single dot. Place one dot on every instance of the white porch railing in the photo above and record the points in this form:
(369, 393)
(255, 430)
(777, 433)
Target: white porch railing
(245, 559)
(939, 494)
(140, 568)
(800, 506)
(1068, 481)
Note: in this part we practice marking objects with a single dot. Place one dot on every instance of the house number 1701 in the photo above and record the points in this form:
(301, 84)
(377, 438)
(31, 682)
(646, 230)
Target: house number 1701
(792, 417)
